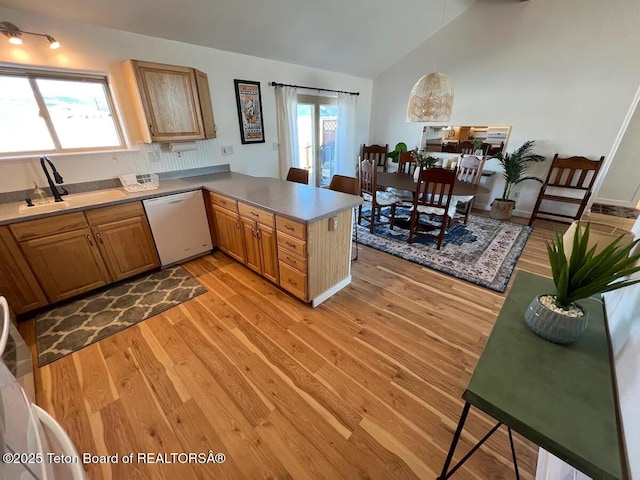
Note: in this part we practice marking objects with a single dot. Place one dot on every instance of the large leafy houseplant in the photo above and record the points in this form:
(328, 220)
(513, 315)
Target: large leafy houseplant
(581, 274)
(515, 165)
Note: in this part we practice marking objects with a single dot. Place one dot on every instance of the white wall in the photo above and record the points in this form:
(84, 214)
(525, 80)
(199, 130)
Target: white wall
(97, 49)
(561, 73)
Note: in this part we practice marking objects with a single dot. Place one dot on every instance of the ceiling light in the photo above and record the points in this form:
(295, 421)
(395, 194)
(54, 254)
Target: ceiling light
(53, 43)
(431, 98)
(14, 34)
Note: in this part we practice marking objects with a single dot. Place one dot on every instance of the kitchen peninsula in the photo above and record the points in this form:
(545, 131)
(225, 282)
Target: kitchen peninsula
(297, 236)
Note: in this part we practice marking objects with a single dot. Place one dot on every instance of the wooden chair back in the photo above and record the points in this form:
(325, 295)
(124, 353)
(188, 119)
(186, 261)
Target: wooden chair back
(298, 175)
(565, 177)
(344, 184)
(406, 163)
(573, 172)
(495, 149)
(377, 153)
(470, 169)
(450, 147)
(466, 147)
(434, 187)
(368, 170)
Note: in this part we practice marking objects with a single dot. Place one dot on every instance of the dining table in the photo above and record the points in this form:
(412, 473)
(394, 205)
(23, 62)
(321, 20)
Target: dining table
(405, 181)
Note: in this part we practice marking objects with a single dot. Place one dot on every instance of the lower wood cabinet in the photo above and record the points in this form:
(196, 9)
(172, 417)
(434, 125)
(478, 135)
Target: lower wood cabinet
(78, 252)
(67, 264)
(18, 284)
(261, 248)
(229, 233)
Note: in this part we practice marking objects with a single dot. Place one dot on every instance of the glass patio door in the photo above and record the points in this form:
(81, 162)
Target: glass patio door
(317, 122)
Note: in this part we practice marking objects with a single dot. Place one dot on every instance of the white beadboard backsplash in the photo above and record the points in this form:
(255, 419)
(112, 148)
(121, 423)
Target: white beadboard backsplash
(20, 174)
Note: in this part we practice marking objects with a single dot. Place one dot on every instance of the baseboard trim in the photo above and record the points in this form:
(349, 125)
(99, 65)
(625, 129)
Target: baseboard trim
(332, 291)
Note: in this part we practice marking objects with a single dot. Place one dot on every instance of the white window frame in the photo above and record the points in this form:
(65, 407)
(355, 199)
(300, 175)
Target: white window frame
(32, 75)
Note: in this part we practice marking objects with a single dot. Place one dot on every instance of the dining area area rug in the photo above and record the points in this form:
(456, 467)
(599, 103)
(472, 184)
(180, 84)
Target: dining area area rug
(484, 251)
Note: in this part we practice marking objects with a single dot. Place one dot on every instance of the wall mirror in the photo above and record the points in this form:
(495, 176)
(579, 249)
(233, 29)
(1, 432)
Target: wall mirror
(487, 140)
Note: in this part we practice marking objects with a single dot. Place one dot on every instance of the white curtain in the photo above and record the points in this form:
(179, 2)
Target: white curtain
(287, 117)
(345, 155)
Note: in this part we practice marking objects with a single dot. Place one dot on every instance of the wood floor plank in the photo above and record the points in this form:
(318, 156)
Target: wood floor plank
(365, 386)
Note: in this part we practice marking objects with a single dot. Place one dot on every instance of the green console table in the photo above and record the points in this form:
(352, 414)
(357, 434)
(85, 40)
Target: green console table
(560, 397)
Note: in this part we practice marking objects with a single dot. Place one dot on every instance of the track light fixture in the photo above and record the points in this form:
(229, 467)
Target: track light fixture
(15, 35)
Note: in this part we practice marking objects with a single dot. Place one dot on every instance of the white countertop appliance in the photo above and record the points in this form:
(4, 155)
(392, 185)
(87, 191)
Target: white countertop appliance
(179, 226)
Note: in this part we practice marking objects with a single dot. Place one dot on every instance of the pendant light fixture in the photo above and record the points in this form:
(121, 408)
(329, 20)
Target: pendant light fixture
(431, 98)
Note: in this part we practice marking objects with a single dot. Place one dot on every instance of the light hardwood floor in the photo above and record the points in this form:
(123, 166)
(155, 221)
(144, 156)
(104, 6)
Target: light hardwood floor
(367, 385)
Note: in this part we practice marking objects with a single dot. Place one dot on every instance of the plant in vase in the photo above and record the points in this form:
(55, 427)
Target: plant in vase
(558, 317)
(394, 155)
(477, 145)
(514, 165)
(423, 160)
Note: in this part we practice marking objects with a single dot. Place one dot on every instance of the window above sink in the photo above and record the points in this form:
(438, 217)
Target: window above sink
(56, 112)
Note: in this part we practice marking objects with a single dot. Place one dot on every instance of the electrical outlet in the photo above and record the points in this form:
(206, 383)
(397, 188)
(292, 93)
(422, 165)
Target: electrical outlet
(516, 195)
(223, 151)
(154, 153)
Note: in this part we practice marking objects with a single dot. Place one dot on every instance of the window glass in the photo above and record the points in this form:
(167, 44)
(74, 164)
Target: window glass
(44, 112)
(80, 113)
(22, 129)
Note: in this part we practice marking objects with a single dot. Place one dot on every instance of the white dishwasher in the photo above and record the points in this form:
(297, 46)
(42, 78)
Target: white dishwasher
(179, 225)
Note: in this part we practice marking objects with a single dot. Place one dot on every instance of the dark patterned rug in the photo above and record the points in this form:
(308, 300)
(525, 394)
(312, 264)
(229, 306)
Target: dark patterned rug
(614, 210)
(484, 252)
(74, 325)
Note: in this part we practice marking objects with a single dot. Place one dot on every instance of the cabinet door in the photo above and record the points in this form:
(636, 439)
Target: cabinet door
(170, 100)
(206, 108)
(252, 244)
(127, 247)
(17, 282)
(269, 253)
(229, 234)
(66, 264)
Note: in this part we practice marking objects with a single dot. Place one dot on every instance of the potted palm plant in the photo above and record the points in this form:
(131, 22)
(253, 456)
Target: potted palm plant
(579, 273)
(514, 165)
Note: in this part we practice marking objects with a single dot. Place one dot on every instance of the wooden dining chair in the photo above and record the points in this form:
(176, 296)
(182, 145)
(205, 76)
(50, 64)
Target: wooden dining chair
(450, 147)
(433, 196)
(406, 166)
(569, 181)
(377, 153)
(350, 185)
(298, 175)
(466, 147)
(470, 171)
(378, 199)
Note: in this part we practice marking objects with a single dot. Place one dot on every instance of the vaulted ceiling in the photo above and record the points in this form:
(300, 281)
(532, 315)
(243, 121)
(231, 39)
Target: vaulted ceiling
(358, 37)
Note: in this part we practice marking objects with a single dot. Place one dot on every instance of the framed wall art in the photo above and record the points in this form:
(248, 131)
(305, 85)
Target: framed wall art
(249, 111)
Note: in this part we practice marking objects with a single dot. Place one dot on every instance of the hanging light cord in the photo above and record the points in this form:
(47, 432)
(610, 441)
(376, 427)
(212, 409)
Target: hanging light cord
(444, 9)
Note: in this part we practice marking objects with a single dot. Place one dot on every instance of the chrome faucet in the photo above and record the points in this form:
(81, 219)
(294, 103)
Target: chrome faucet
(54, 190)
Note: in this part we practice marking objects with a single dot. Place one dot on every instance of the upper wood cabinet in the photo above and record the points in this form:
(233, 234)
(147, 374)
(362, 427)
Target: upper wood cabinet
(173, 103)
(17, 282)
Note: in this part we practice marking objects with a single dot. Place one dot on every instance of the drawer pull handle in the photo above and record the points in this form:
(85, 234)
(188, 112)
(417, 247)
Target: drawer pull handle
(223, 202)
(90, 240)
(292, 261)
(292, 282)
(253, 232)
(288, 227)
(99, 238)
(293, 245)
(255, 214)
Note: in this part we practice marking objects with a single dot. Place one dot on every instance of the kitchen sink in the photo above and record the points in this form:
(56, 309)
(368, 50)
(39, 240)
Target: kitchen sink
(83, 199)
(76, 200)
(47, 207)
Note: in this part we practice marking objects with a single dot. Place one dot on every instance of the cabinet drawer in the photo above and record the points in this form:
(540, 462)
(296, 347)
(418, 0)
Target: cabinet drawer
(291, 227)
(293, 260)
(293, 281)
(100, 216)
(256, 214)
(224, 202)
(48, 226)
(292, 244)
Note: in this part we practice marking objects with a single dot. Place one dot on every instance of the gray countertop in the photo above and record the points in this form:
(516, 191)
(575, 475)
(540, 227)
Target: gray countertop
(293, 200)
